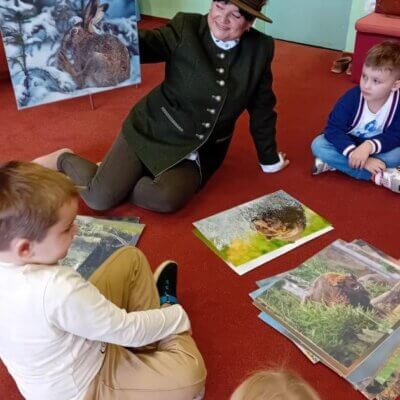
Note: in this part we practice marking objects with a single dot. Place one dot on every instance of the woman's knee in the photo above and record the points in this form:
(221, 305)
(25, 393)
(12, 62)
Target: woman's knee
(98, 200)
(159, 197)
(161, 202)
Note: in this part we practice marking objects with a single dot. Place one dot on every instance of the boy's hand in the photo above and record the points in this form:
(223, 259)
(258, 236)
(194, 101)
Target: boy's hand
(374, 165)
(360, 155)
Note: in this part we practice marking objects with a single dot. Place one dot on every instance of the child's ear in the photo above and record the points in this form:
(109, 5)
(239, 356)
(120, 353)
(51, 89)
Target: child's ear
(23, 249)
(396, 85)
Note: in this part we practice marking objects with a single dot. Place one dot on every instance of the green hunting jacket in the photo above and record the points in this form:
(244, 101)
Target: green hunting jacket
(204, 92)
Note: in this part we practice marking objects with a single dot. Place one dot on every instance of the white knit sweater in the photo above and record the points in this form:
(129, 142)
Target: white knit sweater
(53, 323)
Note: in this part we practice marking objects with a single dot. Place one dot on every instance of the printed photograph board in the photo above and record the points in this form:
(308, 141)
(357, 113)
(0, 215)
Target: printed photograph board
(60, 49)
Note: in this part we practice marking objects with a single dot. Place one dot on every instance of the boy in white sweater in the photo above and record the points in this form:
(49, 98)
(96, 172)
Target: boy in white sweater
(63, 338)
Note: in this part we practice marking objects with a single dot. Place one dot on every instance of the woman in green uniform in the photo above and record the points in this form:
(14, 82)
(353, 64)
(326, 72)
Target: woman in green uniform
(177, 136)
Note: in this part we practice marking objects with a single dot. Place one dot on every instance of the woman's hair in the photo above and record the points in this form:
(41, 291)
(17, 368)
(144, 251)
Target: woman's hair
(247, 16)
(274, 385)
(30, 198)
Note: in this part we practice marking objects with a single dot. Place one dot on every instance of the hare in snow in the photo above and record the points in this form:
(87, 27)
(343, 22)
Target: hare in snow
(93, 59)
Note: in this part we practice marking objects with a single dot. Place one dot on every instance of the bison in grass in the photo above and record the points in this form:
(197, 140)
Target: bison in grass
(334, 288)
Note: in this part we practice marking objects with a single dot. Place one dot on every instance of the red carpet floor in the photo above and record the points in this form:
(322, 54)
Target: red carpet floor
(232, 339)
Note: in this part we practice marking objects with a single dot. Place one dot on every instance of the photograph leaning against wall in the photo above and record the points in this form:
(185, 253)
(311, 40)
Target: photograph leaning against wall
(59, 49)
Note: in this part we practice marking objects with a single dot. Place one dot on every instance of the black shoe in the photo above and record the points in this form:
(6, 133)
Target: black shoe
(166, 276)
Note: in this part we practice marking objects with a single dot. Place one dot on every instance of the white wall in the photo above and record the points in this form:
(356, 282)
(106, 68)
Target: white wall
(359, 8)
(168, 8)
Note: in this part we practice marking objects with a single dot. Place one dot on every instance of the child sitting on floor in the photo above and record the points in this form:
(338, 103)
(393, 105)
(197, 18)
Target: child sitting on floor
(362, 137)
(61, 337)
(274, 385)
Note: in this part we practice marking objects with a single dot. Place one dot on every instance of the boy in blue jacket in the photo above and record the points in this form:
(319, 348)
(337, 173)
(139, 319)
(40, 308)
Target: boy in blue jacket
(362, 137)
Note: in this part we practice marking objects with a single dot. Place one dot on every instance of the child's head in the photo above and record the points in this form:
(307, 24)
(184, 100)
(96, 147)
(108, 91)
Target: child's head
(381, 71)
(37, 211)
(385, 56)
(274, 385)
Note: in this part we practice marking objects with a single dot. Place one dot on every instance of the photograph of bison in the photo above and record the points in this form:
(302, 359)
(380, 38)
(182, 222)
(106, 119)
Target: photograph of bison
(340, 304)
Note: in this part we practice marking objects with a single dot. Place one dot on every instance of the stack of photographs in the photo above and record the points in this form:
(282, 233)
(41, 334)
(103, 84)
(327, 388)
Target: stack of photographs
(249, 235)
(97, 239)
(342, 307)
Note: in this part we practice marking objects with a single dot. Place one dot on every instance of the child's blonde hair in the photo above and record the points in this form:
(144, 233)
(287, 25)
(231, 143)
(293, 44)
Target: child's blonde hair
(274, 385)
(30, 198)
(385, 55)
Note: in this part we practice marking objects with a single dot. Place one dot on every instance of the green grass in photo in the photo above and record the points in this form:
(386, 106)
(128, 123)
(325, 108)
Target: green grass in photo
(209, 244)
(390, 368)
(241, 251)
(340, 330)
(315, 222)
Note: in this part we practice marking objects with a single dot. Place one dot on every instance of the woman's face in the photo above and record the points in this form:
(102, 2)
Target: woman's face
(226, 22)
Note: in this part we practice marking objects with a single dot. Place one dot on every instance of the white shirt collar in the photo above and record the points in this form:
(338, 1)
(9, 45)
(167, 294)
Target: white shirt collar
(229, 44)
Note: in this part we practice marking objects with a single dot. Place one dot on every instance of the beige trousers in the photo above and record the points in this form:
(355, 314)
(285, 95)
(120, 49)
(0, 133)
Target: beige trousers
(172, 369)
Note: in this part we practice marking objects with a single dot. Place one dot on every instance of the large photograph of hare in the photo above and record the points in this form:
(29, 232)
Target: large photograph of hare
(339, 303)
(255, 232)
(58, 49)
